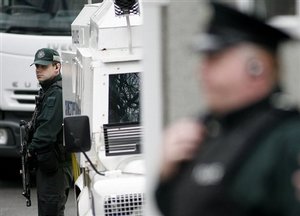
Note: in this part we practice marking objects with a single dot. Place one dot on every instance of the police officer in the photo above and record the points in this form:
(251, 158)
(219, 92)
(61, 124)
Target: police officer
(239, 158)
(53, 175)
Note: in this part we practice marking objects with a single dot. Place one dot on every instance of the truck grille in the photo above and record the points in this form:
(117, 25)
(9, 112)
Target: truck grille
(25, 97)
(125, 204)
(122, 138)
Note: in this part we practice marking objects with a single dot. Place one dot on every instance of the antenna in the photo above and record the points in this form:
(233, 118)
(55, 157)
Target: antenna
(126, 8)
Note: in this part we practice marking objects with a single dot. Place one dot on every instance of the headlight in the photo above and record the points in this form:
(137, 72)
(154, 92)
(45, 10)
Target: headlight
(3, 136)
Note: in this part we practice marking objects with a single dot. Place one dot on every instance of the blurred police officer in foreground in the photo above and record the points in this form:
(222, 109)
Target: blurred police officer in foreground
(238, 159)
(53, 176)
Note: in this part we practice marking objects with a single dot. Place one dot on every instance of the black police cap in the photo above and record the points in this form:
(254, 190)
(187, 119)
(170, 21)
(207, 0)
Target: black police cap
(228, 27)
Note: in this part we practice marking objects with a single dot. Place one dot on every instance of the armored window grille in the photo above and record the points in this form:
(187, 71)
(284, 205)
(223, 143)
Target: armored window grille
(125, 204)
(122, 138)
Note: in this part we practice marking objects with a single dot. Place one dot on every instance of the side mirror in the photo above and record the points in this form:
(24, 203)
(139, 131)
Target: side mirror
(77, 134)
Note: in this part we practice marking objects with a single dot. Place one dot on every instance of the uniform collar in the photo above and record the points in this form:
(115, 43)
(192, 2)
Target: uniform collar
(46, 84)
(219, 122)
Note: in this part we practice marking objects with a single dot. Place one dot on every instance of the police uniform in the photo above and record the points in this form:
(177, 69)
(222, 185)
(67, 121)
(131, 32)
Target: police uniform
(246, 162)
(53, 175)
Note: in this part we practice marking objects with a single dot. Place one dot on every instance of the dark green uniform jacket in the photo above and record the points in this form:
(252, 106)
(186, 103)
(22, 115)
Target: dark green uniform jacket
(243, 168)
(48, 125)
(47, 136)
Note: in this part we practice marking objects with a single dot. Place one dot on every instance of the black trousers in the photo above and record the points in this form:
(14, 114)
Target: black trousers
(53, 190)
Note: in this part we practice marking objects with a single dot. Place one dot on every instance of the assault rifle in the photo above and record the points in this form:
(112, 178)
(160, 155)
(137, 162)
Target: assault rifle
(25, 134)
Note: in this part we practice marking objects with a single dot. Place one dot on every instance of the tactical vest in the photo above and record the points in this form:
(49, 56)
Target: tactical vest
(202, 187)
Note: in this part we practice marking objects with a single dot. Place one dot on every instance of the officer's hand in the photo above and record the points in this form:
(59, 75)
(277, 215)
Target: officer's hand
(180, 144)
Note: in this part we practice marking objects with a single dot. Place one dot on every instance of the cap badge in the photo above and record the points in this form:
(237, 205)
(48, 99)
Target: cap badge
(41, 54)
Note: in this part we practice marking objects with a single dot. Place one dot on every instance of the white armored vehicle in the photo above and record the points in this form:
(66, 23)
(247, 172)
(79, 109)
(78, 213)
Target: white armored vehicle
(101, 89)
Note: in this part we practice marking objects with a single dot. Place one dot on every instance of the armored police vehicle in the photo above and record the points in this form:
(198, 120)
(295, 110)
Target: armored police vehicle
(101, 90)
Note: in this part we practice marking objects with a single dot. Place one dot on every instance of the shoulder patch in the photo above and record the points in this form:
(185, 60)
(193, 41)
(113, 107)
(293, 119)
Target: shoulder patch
(50, 101)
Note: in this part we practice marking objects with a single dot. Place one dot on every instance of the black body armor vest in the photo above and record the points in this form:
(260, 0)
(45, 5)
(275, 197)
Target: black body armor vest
(202, 185)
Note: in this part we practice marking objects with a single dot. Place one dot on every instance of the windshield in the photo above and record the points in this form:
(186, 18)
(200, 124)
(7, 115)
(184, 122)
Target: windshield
(39, 17)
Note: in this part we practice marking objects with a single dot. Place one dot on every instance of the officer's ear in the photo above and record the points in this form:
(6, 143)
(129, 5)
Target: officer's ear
(254, 67)
(57, 67)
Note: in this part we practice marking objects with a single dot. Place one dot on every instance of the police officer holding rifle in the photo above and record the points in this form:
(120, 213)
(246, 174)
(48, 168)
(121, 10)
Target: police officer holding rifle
(43, 143)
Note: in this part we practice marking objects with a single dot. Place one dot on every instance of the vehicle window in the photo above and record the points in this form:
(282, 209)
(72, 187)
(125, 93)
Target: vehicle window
(124, 102)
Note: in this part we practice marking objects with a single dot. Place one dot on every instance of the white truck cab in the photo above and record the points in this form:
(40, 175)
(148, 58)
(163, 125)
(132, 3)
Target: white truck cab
(25, 27)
